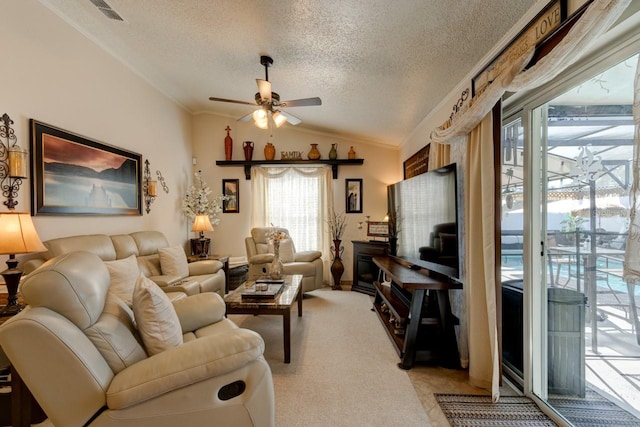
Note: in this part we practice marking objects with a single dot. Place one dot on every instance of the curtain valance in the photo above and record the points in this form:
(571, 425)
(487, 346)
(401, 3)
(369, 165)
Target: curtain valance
(598, 17)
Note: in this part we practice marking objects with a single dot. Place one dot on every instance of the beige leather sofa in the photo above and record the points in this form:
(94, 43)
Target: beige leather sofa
(307, 263)
(77, 348)
(203, 276)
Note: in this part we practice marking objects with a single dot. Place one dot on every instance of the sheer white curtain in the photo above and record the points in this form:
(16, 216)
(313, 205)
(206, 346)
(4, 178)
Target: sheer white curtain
(298, 199)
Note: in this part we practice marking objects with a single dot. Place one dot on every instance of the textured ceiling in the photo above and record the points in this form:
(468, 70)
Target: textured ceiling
(379, 66)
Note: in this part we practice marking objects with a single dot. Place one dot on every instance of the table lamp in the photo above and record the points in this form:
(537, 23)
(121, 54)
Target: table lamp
(202, 223)
(17, 236)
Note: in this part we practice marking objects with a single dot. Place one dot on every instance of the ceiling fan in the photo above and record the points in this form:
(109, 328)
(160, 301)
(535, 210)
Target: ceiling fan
(269, 102)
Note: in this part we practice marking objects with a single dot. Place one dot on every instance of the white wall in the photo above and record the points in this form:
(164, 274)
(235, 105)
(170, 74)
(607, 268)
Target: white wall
(380, 168)
(55, 75)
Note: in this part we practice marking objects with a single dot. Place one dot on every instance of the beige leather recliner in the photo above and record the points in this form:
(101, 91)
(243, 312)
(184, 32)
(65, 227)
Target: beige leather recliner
(307, 263)
(77, 349)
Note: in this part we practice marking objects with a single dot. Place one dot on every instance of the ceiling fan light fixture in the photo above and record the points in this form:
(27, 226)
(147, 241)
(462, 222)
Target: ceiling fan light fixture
(259, 115)
(261, 118)
(278, 118)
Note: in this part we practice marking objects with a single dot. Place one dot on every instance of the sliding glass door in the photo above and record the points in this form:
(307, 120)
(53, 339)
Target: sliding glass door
(566, 175)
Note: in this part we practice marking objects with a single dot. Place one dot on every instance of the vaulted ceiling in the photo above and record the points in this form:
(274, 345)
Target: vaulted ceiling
(379, 66)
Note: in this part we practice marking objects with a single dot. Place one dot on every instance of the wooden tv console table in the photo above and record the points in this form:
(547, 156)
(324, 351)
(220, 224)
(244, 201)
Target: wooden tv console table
(419, 322)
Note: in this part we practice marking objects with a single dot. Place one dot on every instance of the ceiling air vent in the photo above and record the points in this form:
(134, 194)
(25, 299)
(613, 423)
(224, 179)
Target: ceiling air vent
(106, 10)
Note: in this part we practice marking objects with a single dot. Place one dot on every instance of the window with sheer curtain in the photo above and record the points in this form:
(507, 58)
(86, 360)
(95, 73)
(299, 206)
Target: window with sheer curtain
(296, 198)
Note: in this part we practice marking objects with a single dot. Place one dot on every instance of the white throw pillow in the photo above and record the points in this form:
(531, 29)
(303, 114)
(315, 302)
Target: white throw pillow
(123, 275)
(173, 261)
(286, 250)
(157, 321)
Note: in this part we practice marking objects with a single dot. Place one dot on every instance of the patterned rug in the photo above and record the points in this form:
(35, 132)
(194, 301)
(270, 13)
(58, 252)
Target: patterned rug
(593, 410)
(467, 410)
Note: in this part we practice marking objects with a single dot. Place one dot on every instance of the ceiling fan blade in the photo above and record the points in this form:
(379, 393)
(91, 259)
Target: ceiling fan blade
(290, 118)
(264, 87)
(231, 100)
(245, 118)
(301, 102)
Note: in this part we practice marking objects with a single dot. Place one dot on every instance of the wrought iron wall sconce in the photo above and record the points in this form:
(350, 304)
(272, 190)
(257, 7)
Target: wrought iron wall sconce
(13, 162)
(150, 186)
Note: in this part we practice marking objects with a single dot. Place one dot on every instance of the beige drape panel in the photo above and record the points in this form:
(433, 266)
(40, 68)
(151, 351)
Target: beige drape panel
(631, 272)
(479, 230)
(439, 155)
(470, 126)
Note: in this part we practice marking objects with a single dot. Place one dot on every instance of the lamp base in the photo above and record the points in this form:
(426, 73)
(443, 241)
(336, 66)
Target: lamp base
(12, 280)
(200, 247)
(11, 309)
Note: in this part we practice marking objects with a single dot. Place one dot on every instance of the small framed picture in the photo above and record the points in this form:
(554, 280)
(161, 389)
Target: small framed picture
(230, 189)
(353, 192)
(378, 229)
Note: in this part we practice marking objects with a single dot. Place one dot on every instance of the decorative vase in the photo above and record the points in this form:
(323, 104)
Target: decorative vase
(269, 151)
(352, 153)
(248, 150)
(337, 267)
(276, 269)
(393, 246)
(333, 153)
(228, 145)
(314, 154)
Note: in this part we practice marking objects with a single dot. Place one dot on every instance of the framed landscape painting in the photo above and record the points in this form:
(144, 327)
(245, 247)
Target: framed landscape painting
(74, 175)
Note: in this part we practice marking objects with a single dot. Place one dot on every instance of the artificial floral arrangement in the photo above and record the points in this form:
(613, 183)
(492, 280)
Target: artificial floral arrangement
(337, 224)
(197, 201)
(276, 235)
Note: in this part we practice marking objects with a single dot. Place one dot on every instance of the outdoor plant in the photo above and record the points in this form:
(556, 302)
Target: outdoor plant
(198, 201)
(570, 225)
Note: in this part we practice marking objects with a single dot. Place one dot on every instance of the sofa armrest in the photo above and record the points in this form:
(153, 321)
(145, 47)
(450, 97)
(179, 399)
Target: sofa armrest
(261, 259)
(207, 266)
(307, 256)
(181, 366)
(31, 265)
(199, 310)
(165, 280)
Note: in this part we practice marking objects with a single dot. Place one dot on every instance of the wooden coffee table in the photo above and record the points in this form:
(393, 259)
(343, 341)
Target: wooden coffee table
(280, 305)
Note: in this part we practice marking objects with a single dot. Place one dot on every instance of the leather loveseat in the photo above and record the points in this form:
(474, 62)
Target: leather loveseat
(85, 357)
(197, 277)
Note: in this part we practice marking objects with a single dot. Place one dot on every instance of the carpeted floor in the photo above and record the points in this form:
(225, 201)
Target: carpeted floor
(343, 370)
(467, 410)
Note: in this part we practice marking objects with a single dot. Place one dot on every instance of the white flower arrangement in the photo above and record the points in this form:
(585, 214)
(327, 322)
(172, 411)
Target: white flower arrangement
(197, 201)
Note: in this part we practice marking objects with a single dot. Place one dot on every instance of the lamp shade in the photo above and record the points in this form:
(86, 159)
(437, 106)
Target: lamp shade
(18, 234)
(202, 223)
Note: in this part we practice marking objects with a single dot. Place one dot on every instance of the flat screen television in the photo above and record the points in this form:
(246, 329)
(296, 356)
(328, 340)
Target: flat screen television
(426, 207)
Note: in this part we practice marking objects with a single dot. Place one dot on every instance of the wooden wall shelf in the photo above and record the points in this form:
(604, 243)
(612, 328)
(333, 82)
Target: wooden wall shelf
(248, 163)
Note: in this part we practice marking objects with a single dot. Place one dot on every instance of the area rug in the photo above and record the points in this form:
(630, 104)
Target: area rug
(468, 410)
(593, 410)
